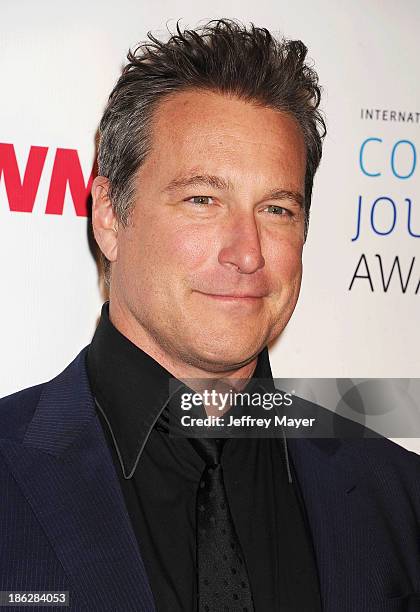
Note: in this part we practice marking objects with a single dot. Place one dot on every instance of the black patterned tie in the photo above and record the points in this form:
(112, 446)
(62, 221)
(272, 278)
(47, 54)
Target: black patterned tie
(222, 580)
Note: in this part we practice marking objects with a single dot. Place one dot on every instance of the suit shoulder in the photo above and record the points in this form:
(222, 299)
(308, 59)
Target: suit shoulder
(16, 411)
(362, 443)
(385, 455)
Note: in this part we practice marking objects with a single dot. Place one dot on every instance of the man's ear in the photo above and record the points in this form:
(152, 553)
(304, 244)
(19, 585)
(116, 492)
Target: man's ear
(104, 220)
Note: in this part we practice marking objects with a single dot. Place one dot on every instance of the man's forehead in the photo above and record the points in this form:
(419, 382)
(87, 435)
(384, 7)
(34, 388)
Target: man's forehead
(190, 149)
(197, 109)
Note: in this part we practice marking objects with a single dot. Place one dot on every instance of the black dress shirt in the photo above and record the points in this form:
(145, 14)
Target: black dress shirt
(159, 476)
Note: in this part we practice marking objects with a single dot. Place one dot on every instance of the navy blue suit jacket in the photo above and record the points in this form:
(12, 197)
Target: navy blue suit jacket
(64, 525)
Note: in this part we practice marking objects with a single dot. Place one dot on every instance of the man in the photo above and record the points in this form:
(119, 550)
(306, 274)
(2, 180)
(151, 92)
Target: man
(208, 149)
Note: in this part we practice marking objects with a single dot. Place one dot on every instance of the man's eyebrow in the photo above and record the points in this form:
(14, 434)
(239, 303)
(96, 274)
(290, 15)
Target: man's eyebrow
(286, 194)
(209, 180)
(217, 182)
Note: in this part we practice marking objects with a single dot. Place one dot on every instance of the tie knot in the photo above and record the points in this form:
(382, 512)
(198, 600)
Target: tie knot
(209, 449)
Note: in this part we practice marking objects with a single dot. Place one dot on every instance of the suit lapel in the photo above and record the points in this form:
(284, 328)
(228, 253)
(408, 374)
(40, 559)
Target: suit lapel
(339, 517)
(65, 471)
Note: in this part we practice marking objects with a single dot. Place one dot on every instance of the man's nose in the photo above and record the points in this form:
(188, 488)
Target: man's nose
(242, 245)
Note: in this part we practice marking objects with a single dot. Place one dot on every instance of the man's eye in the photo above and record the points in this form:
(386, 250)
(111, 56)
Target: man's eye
(201, 200)
(278, 210)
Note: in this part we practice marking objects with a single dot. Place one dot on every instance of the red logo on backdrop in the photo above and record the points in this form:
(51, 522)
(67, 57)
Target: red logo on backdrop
(66, 171)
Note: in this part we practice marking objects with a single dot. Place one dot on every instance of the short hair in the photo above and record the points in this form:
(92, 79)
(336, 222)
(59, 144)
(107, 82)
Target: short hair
(222, 56)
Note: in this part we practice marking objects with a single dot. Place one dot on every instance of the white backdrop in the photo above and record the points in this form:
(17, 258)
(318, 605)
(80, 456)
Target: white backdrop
(58, 63)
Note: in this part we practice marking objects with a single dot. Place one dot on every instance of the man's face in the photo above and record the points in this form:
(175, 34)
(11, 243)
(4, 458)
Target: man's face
(210, 264)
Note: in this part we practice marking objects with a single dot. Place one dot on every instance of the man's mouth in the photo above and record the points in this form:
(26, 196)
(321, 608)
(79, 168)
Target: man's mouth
(235, 296)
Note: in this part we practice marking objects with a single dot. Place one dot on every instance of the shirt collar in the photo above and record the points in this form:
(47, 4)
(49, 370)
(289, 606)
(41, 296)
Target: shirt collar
(132, 389)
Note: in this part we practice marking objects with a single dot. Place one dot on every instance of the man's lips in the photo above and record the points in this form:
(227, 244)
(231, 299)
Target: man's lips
(235, 295)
